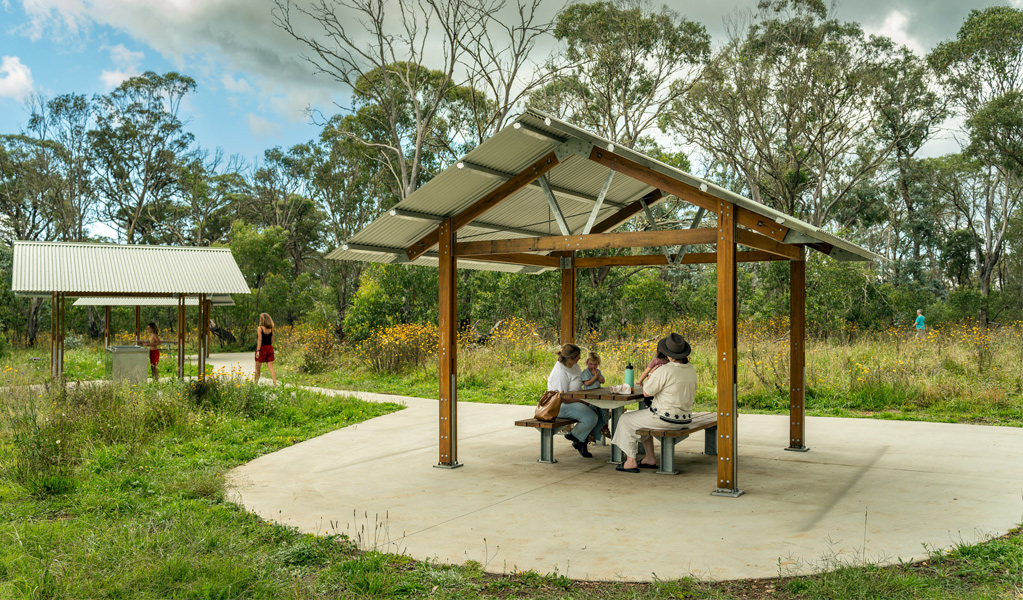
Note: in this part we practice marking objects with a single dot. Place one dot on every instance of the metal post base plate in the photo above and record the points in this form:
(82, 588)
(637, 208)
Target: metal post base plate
(453, 465)
(798, 449)
(727, 493)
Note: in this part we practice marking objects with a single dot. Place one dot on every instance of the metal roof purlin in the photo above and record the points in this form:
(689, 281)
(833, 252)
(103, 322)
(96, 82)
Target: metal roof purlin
(488, 201)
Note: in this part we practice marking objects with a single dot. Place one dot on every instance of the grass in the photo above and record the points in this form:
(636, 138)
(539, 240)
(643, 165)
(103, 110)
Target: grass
(956, 374)
(113, 491)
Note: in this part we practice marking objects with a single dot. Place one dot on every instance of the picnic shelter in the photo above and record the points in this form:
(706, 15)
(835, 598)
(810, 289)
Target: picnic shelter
(531, 197)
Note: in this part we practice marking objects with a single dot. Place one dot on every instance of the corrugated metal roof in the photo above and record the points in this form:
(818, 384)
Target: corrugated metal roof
(77, 268)
(190, 301)
(576, 181)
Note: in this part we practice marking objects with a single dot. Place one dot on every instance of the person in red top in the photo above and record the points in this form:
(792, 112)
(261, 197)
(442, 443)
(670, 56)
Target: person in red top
(154, 349)
(264, 346)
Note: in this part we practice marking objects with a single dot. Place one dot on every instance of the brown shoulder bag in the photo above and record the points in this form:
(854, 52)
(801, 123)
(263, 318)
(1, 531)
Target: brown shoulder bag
(549, 406)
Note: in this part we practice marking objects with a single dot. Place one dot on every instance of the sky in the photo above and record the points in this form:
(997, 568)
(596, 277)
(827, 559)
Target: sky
(254, 88)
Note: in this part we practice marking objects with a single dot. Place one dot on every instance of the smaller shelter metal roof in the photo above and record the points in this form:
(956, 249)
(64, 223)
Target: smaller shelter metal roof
(84, 269)
(576, 184)
(189, 301)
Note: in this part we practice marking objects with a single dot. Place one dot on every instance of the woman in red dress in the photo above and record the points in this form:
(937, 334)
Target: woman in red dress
(265, 346)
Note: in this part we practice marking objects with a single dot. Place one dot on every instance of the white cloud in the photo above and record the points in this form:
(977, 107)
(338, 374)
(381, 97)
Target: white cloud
(235, 86)
(127, 64)
(15, 79)
(237, 37)
(261, 127)
(894, 27)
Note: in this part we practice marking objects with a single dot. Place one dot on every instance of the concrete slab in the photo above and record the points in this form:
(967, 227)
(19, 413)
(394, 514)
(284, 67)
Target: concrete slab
(869, 490)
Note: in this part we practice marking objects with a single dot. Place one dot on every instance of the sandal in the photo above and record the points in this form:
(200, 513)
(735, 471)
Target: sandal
(621, 467)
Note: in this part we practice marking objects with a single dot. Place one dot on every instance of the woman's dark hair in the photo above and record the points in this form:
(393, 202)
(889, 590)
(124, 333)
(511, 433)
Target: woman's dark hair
(661, 356)
(568, 352)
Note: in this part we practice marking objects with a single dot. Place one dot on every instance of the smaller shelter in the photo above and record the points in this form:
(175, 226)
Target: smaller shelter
(138, 303)
(107, 273)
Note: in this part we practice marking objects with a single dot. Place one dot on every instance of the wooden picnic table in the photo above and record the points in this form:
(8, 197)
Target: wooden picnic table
(605, 398)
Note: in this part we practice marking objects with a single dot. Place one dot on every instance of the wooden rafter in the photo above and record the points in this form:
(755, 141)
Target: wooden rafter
(532, 260)
(762, 242)
(658, 260)
(631, 239)
(488, 201)
(684, 191)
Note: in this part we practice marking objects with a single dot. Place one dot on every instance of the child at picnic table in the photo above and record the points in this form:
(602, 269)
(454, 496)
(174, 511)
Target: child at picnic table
(658, 361)
(591, 375)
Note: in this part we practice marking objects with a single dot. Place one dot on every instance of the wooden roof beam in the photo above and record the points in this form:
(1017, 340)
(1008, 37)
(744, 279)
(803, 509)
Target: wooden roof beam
(632, 239)
(756, 241)
(658, 260)
(684, 191)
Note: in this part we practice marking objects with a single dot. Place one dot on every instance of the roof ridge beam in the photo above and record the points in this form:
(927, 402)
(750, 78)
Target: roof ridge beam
(488, 201)
(631, 239)
(558, 191)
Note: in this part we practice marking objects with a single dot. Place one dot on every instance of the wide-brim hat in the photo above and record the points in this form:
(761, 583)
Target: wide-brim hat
(674, 346)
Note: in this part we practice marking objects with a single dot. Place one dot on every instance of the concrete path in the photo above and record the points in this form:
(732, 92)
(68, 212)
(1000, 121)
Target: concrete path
(869, 490)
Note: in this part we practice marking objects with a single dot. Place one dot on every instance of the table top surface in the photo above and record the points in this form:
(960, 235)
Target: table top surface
(604, 394)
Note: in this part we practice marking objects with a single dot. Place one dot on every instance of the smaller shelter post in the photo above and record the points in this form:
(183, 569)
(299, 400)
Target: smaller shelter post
(797, 354)
(138, 322)
(201, 350)
(181, 337)
(106, 326)
(447, 350)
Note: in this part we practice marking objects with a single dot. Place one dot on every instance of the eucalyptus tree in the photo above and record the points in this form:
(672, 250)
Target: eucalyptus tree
(627, 66)
(982, 200)
(982, 70)
(66, 121)
(136, 150)
(790, 104)
(208, 185)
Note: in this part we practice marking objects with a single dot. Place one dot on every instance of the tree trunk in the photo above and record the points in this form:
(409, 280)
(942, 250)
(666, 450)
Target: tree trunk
(33, 320)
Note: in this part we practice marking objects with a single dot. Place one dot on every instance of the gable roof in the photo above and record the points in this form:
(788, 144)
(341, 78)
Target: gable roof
(576, 183)
(83, 269)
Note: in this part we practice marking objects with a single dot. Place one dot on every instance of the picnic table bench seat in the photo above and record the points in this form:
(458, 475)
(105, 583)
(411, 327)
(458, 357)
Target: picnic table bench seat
(547, 430)
(707, 422)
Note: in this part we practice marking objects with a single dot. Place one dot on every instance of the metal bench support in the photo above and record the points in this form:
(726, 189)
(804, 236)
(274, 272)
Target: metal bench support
(547, 445)
(710, 447)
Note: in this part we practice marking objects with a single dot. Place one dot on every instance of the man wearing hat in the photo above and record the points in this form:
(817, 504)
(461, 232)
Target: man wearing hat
(673, 388)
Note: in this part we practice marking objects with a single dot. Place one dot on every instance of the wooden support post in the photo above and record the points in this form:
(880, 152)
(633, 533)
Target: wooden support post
(53, 335)
(447, 351)
(797, 355)
(568, 282)
(138, 322)
(206, 324)
(181, 337)
(201, 338)
(726, 359)
(106, 326)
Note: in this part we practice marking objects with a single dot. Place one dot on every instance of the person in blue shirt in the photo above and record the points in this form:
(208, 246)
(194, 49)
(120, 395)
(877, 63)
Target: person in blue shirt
(921, 326)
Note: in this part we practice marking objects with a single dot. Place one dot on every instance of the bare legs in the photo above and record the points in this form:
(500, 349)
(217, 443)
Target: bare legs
(156, 371)
(259, 368)
(649, 459)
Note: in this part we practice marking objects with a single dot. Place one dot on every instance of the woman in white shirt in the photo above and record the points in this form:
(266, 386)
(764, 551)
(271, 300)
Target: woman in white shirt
(673, 387)
(566, 377)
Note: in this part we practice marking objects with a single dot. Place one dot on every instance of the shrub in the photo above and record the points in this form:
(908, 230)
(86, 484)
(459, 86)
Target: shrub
(399, 347)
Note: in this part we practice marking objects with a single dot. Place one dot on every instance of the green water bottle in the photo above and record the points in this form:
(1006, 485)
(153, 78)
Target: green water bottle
(630, 376)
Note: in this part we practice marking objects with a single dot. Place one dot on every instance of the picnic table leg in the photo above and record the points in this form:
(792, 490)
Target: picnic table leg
(547, 445)
(616, 452)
